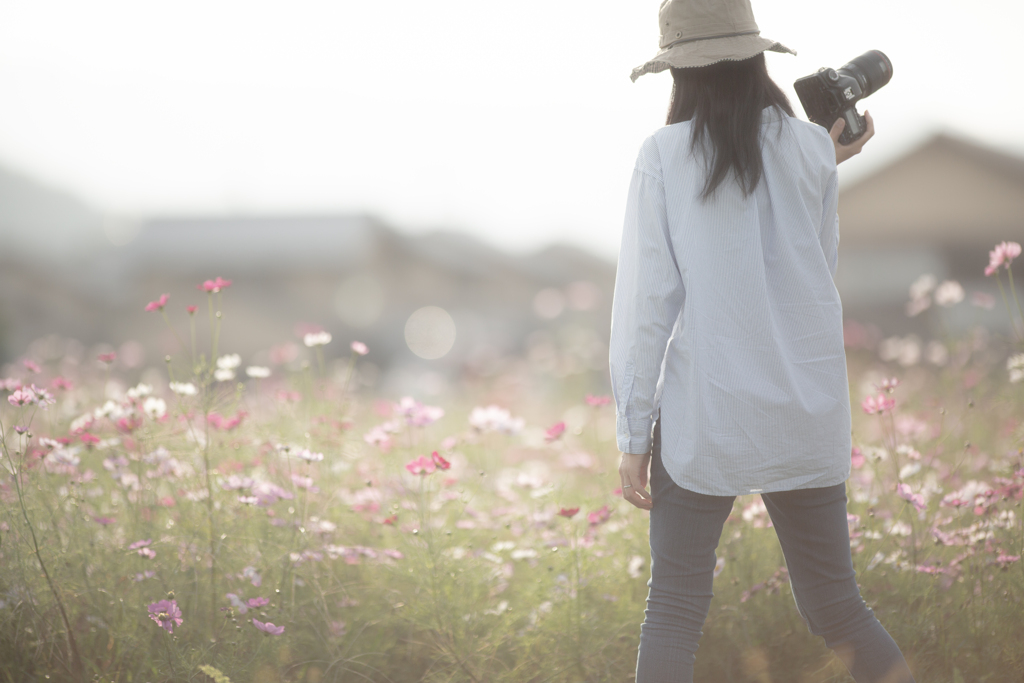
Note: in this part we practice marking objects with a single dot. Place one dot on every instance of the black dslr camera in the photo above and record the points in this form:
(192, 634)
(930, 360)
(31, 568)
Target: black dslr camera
(833, 93)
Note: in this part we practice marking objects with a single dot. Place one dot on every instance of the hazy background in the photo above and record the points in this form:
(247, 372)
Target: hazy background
(515, 122)
(348, 163)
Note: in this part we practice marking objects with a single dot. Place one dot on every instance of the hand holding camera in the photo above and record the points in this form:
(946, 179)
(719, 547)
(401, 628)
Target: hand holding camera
(830, 97)
(844, 152)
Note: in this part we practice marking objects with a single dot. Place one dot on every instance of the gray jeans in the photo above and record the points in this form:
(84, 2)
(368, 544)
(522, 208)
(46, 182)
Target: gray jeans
(812, 529)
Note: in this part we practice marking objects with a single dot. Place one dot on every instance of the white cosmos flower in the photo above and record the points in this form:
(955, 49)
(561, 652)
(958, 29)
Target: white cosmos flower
(183, 388)
(1015, 364)
(229, 362)
(922, 286)
(309, 455)
(949, 293)
(317, 339)
(223, 374)
(257, 372)
(140, 391)
(155, 407)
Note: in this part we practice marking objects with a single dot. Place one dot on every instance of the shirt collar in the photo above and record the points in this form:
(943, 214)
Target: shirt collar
(771, 114)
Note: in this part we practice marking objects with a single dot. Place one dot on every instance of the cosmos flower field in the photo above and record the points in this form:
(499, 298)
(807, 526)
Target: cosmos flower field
(220, 520)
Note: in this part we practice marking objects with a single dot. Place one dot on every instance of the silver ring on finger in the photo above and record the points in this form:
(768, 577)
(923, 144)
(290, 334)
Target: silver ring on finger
(628, 486)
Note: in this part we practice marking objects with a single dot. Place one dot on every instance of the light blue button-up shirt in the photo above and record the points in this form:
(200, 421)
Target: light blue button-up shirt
(726, 321)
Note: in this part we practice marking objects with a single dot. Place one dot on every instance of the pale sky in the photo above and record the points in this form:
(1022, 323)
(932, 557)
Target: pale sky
(515, 121)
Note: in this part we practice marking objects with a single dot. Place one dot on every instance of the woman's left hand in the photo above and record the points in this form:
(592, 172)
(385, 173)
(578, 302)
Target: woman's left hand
(844, 152)
(633, 473)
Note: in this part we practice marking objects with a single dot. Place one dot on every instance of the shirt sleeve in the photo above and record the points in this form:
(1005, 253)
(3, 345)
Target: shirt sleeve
(648, 298)
(830, 222)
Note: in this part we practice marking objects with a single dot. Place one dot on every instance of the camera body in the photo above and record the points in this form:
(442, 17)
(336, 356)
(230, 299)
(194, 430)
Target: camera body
(830, 94)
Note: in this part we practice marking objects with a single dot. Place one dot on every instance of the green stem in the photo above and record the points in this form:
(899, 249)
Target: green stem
(1013, 291)
(77, 667)
(1009, 312)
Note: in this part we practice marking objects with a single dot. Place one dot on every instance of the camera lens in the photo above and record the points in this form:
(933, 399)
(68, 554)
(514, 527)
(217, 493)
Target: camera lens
(872, 70)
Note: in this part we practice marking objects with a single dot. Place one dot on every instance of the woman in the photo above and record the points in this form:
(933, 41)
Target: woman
(727, 355)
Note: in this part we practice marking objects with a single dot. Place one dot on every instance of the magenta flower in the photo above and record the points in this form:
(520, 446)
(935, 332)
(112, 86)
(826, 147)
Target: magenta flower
(1002, 255)
(876, 405)
(258, 602)
(31, 366)
(107, 357)
(104, 521)
(166, 614)
(568, 513)
(598, 400)
(599, 516)
(159, 304)
(421, 465)
(268, 627)
(441, 463)
(214, 286)
(191, 309)
(554, 431)
(360, 348)
(915, 498)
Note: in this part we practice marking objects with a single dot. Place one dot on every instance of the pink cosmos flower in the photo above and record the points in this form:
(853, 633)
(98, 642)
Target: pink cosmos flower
(166, 614)
(554, 431)
(107, 357)
(258, 602)
(915, 498)
(889, 385)
(441, 463)
(191, 309)
(159, 304)
(140, 544)
(104, 521)
(89, 439)
(1003, 560)
(876, 405)
(599, 516)
(268, 627)
(856, 458)
(568, 513)
(378, 436)
(417, 414)
(598, 400)
(22, 397)
(359, 348)
(1002, 255)
(61, 383)
(10, 384)
(214, 286)
(226, 424)
(31, 365)
(147, 553)
(421, 466)
(983, 300)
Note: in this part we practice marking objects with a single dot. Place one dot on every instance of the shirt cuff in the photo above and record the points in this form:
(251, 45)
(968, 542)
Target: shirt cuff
(634, 435)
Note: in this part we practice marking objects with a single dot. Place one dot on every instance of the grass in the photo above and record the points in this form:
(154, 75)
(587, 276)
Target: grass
(468, 573)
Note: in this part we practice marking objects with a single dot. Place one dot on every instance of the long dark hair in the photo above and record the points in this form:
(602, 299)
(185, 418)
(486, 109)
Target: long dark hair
(724, 102)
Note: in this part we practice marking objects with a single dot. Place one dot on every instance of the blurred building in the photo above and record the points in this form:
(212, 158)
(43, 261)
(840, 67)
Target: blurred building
(939, 209)
(68, 270)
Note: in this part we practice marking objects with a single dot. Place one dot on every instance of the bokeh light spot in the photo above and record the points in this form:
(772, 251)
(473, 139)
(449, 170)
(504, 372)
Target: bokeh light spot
(430, 332)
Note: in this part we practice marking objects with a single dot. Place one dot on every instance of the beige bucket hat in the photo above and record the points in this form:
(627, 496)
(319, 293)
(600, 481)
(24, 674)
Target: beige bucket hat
(702, 32)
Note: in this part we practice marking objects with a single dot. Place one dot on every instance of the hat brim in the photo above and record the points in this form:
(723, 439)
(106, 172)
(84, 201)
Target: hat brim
(709, 51)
